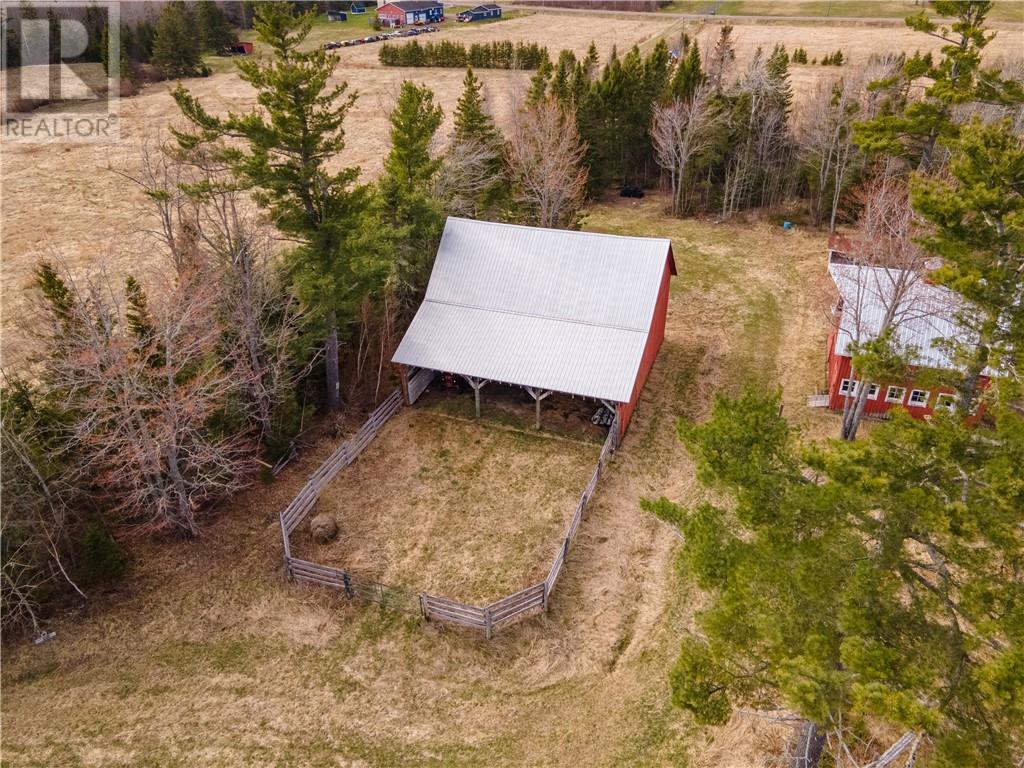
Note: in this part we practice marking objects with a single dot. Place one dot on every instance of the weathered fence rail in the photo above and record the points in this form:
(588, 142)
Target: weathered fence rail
(432, 607)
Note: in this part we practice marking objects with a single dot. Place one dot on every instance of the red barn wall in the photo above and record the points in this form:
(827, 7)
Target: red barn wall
(391, 12)
(839, 368)
(655, 337)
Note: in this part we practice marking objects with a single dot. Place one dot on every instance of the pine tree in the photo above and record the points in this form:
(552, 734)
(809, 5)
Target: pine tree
(977, 218)
(592, 61)
(539, 84)
(858, 582)
(688, 74)
(411, 213)
(176, 44)
(471, 121)
(286, 148)
(914, 131)
(215, 32)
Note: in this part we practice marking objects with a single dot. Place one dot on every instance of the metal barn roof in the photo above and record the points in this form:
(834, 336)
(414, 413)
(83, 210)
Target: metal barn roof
(546, 308)
(925, 316)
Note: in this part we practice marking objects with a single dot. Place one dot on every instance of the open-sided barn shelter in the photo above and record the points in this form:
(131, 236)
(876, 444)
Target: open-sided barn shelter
(548, 310)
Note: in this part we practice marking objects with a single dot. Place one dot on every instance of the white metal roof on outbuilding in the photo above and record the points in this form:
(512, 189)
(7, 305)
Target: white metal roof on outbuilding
(547, 308)
(925, 314)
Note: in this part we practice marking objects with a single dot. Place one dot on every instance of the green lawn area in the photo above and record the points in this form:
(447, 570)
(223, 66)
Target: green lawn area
(1003, 11)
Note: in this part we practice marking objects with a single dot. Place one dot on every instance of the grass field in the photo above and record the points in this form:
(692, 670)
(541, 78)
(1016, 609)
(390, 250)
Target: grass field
(68, 203)
(207, 656)
(1004, 10)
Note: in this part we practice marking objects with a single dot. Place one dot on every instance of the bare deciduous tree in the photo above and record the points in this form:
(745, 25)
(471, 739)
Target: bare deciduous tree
(881, 288)
(204, 223)
(145, 381)
(544, 155)
(681, 131)
(465, 175)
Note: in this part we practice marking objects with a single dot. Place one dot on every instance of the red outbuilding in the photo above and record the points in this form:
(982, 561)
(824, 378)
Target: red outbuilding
(548, 310)
(924, 315)
(402, 12)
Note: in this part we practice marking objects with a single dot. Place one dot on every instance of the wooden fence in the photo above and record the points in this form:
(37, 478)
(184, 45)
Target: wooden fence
(418, 382)
(486, 618)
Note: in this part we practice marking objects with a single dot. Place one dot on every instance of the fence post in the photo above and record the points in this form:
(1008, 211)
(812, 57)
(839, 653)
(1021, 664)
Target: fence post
(348, 584)
(545, 595)
(423, 608)
(487, 622)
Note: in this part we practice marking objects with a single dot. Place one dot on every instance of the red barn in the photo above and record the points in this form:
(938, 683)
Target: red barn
(402, 12)
(925, 315)
(548, 310)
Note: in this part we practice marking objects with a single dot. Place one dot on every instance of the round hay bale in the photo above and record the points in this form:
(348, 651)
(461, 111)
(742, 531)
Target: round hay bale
(324, 528)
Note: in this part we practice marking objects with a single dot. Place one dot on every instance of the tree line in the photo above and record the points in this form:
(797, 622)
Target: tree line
(281, 286)
(499, 54)
(169, 47)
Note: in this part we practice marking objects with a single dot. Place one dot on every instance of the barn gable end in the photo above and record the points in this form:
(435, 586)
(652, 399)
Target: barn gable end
(571, 312)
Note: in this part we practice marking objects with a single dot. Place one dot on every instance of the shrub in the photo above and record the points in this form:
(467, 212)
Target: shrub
(102, 558)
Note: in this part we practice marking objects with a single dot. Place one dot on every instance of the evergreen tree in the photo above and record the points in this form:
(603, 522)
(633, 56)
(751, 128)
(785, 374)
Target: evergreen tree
(284, 152)
(778, 73)
(859, 582)
(410, 211)
(215, 33)
(561, 82)
(977, 218)
(913, 130)
(471, 120)
(592, 61)
(688, 74)
(176, 44)
(539, 84)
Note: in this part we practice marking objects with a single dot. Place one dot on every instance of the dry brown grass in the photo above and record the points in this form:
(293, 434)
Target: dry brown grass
(207, 656)
(65, 200)
(467, 510)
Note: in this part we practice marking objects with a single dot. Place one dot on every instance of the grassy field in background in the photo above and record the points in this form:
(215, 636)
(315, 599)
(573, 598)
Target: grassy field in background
(207, 655)
(1005, 10)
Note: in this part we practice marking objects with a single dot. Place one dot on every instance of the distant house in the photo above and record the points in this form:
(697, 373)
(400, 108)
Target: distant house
(357, 8)
(337, 16)
(480, 13)
(928, 317)
(548, 310)
(402, 12)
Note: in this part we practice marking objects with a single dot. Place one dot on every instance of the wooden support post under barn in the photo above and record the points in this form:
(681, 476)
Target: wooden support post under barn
(549, 310)
(537, 396)
(477, 385)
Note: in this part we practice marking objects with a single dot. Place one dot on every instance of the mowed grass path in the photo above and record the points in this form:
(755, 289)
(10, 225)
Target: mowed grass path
(207, 656)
